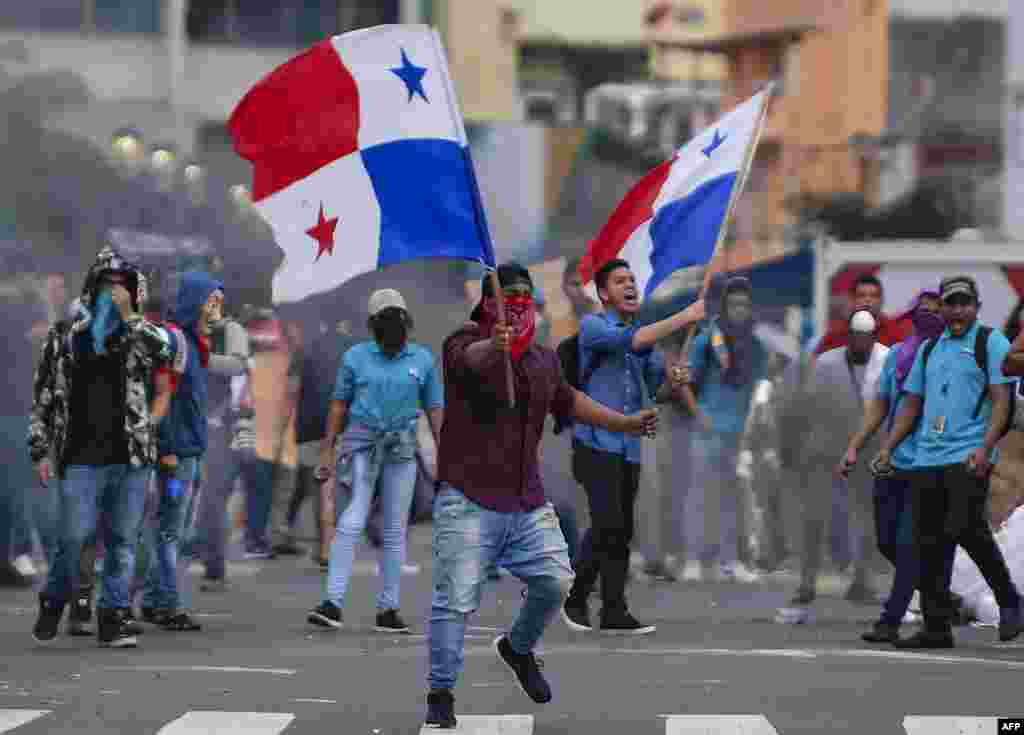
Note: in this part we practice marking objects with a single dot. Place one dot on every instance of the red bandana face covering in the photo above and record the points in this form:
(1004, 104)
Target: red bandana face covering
(521, 313)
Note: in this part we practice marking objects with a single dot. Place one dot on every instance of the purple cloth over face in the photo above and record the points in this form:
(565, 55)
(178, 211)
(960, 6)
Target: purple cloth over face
(927, 325)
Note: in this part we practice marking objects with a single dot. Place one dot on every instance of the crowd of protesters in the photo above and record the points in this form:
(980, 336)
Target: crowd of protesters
(875, 441)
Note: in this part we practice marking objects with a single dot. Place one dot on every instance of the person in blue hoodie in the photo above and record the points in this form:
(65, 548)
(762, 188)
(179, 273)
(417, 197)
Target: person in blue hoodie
(182, 441)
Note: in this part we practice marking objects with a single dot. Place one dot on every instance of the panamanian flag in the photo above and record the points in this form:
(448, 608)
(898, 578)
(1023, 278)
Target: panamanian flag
(672, 217)
(360, 159)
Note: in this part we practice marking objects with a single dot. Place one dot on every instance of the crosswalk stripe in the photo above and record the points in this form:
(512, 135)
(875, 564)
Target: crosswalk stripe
(12, 718)
(490, 725)
(718, 725)
(949, 725)
(225, 723)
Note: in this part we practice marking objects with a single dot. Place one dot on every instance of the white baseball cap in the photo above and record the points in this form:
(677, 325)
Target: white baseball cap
(385, 298)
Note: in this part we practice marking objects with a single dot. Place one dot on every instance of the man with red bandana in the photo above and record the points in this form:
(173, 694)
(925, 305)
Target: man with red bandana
(490, 506)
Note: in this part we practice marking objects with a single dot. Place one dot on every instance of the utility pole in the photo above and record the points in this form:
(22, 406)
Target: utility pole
(177, 49)
(1013, 128)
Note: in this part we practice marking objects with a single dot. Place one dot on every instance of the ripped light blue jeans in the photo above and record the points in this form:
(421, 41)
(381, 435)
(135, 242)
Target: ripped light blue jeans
(168, 585)
(468, 539)
(387, 468)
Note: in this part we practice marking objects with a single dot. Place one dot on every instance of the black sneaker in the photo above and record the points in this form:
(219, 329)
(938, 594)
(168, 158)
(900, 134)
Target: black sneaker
(80, 615)
(48, 622)
(154, 615)
(804, 596)
(389, 621)
(326, 615)
(1011, 623)
(131, 625)
(440, 710)
(527, 670)
(925, 640)
(112, 630)
(288, 548)
(577, 616)
(622, 623)
(882, 633)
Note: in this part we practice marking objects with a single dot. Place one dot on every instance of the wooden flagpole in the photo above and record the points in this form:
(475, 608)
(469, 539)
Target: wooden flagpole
(510, 385)
(748, 160)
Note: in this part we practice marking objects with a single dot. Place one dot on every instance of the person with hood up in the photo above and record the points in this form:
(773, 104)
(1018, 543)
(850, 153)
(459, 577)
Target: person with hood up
(182, 443)
(892, 491)
(91, 409)
(380, 387)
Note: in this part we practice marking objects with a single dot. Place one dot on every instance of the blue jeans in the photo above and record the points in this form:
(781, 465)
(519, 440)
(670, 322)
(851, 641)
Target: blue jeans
(467, 540)
(15, 485)
(714, 495)
(258, 476)
(166, 586)
(396, 484)
(118, 492)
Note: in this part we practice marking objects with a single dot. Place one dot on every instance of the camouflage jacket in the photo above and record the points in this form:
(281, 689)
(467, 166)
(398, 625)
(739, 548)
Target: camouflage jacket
(144, 345)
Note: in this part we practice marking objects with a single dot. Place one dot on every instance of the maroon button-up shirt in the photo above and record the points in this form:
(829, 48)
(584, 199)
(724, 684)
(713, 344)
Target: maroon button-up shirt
(488, 451)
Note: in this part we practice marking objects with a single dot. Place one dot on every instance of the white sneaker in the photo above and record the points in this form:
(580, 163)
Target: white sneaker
(693, 572)
(25, 566)
(737, 572)
(411, 568)
(911, 618)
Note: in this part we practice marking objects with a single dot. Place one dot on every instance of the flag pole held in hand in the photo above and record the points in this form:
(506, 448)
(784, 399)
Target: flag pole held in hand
(500, 300)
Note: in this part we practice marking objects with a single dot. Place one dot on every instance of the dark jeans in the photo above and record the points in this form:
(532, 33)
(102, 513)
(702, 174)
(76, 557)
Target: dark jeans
(258, 476)
(894, 527)
(611, 484)
(949, 509)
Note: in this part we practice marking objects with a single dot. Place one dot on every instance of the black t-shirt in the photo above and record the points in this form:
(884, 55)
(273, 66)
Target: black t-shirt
(97, 435)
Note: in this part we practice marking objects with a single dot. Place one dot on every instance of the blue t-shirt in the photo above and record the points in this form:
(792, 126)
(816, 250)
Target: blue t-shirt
(904, 456)
(951, 390)
(385, 393)
(726, 405)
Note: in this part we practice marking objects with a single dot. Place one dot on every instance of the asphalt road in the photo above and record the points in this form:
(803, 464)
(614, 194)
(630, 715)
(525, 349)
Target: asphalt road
(258, 668)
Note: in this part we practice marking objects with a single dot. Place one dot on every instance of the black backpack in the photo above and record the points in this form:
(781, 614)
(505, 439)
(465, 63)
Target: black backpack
(981, 358)
(568, 351)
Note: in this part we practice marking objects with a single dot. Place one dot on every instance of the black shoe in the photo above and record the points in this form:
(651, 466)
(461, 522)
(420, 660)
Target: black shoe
(527, 670)
(622, 623)
(181, 622)
(1011, 623)
(11, 577)
(882, 633)
(80, 615)
(154, 615)
(577, 616)
(326, 615)
(48, 622)
(112, 629)
(131, 625)
(925, 640)
(288, 548)
(658, 571)
(440, 710)
(804, 596)
(389, 621)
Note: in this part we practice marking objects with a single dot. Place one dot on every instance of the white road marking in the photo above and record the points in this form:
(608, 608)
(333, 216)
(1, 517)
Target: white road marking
(949, 725)
(12, 718)
(484, 628)
(718, 725)
(214, 669)
(317, 701)
(490, 725)
(225, 723)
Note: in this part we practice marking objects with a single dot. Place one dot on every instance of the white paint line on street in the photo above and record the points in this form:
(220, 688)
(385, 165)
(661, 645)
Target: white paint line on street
(226, 723)
(317, 701)
(775, 652)
(914, 725)
(12, 718)
(928, 658)
(718, 725)
(484, 628)
(491, 725)
(467, 636)
(213, 669)
(489, 684)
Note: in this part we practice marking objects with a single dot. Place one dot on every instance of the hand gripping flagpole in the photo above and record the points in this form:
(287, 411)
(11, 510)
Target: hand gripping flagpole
(748, 160)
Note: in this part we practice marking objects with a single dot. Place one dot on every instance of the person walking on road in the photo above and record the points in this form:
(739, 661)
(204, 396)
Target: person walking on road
(380, 387)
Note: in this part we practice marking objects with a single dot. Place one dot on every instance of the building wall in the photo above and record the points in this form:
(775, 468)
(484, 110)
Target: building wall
(685, 20)
(481, 38)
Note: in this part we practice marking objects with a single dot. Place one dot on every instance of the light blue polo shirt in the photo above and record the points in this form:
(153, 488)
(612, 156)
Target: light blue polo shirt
(951, 389)
(386, 393)
(726, 405)
(903, 456)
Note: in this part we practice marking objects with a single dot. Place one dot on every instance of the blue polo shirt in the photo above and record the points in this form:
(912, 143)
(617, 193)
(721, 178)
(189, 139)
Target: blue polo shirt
(951, 390)
(904, 456)
(726, 405)
(386, 393)
(616, 383)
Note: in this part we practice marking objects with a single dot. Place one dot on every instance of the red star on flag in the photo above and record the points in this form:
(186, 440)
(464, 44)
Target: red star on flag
(323, 233)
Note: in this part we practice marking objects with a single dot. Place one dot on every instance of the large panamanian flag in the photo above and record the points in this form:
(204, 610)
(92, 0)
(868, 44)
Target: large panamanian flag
(672, 217)
(360, 159)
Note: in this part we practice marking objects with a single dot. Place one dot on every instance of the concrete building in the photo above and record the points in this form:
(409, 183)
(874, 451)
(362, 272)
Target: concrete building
(670, 21)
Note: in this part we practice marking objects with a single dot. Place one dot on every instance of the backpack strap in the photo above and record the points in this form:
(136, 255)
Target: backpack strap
(591, 369)
(981, 357)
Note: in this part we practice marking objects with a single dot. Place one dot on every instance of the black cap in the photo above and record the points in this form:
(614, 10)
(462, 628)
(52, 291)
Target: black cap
(958, 285)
